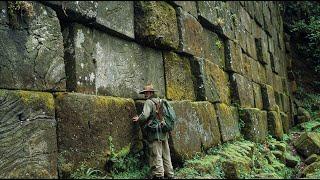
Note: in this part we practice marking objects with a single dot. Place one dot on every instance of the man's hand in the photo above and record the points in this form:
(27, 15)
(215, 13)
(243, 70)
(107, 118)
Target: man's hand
(135, 118)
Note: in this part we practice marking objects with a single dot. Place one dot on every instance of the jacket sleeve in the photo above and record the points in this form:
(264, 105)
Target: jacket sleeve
(147, 109)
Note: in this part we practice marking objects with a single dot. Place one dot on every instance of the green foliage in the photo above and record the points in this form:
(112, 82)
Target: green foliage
(126, 165)
(302, 19)
(85, 172)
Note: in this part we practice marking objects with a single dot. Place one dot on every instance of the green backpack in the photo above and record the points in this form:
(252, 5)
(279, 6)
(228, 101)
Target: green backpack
(164, 119)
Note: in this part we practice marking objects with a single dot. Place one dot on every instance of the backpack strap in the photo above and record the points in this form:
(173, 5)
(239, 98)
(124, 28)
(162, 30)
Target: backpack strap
(159, 110)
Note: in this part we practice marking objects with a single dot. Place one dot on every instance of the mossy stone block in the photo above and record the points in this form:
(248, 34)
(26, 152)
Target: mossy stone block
(86, 122)
(255, 124)
(179, 77)
(28, 139)
(156, 24)
(228, 119)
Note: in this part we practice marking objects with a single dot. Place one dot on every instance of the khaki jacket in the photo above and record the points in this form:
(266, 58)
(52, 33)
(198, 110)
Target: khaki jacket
(148, 113)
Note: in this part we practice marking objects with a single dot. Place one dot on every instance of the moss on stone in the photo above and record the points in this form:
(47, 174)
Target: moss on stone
(37, 98)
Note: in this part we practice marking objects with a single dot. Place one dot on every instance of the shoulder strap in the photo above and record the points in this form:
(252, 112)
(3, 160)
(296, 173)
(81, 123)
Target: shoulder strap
(159, 111)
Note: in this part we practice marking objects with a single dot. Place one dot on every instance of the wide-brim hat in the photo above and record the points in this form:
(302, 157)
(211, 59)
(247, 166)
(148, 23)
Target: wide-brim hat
(148, 88)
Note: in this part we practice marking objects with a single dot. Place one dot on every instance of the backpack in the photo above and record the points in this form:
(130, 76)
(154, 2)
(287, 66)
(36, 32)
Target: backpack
(165, 117)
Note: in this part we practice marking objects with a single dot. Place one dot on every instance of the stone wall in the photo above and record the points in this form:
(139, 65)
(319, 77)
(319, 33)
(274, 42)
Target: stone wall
(72, 70)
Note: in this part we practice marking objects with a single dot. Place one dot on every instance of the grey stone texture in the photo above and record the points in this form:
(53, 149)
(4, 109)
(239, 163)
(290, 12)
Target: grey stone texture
(255, 124)
(275, 124)
(196, 125)
(242, 91)
(212, 81)
(190, 33)
(28, 135)
(160, 33)
(214, 48)
(219, 15)
(86, 123)
(180, 83)
(31, 50)
(107, 65)
(188, 6)
(228, 119)
(269, 102)
(117, 16)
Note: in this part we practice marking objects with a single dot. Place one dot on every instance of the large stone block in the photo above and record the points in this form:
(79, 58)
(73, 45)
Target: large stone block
(247, 65)
(31, 52)
(98, 63)
(269, 102)
(85, 123)
(275, 63)
(179, 77)
(234, 59)
(245, 20)
(258, 103)
(212, 82)
(188, 6)
(285, 102)
(228, 119)
(258, 16)
(214, 48)
(117, 16)
(196, 126)
(278, 99)
(308, 144)
(266, 17)
(251, 46)
(242, 91)
(83, 11)
(28, 135)
(191, 34)
(217, 14)
(285, 122)
(277, 83)
(156, 24)
(262, 48)
(262, 73)
(255, 124)
(113, 16)
(269, 75)
(275, 124)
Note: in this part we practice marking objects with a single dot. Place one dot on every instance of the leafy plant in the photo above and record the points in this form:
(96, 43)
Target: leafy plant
(85, 172)
(302, 21)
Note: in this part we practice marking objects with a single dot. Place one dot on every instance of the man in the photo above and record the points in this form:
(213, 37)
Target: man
(159, 152)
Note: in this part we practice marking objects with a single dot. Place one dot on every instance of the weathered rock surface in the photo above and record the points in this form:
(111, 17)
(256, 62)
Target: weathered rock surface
(31, 50)
(255, 124)
(117, 16)
(162, 32)
(242, 91)
(85, 123)
(179, 77)
(191, 34)
(275, 124)
(228, 119)
(212, 81)
(188, 6)
(196, 126)
(269, 102)
(308, 144)
(106, 65)
(214, 48)
(83, 11)
(28, 135)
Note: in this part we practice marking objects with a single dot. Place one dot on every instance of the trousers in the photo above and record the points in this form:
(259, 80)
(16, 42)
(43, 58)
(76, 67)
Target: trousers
(160, 159)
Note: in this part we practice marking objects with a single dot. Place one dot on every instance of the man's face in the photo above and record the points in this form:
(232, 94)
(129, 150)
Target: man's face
(147, 94)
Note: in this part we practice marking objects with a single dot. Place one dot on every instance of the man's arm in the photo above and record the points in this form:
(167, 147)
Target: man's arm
(147, 108)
